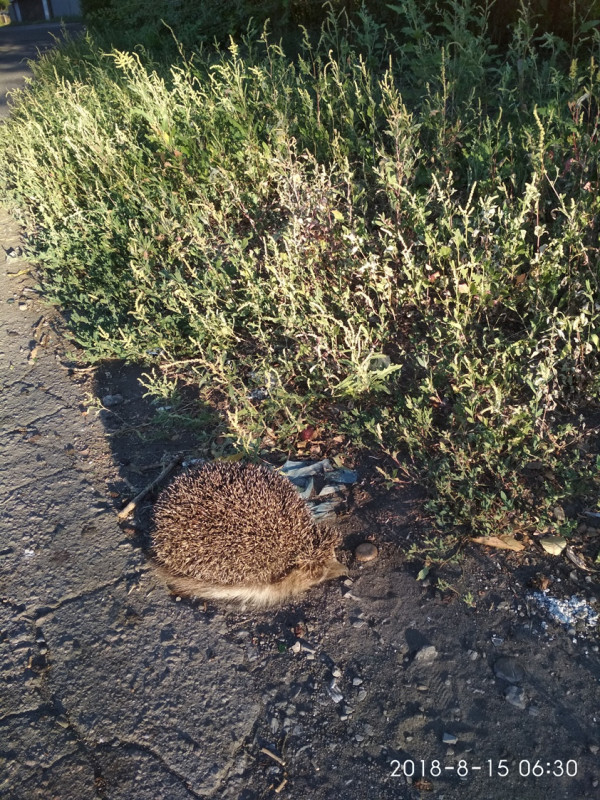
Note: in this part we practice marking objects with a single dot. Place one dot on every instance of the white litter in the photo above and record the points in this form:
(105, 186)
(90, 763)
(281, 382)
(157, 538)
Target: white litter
(568, 612)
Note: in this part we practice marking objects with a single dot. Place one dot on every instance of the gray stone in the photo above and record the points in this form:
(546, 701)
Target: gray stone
(110, 400)
(508, 669)
(426, 654)
(516, 697)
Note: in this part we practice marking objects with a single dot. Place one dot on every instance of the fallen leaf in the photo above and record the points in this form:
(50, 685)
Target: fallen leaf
(423, 785)
(232, 458)
(578, 560)
(502, 542)
(553, 544)
(541, 582)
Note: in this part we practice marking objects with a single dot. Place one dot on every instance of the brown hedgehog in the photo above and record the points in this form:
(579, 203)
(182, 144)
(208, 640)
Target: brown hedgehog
(237, 532)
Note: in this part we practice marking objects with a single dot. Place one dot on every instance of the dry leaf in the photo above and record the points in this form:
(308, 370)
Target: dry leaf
(553, 544)
(578, 560)
(423, 785)
(541, 582)
(502, 542)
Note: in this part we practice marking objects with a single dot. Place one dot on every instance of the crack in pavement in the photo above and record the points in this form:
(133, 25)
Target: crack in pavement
(29, 482)
(227, 769)
(23, 428)
(158, 756)
(37, 614)
(43, 611)
(85, 749)
(25, 712)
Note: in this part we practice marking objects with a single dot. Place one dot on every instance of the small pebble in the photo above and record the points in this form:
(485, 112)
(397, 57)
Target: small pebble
(356, 681)
(516, 697)
(426, 654)
(361, 694)
(110, 400)
(507, 669)
(334, 692)
(336, 672)
(366, 552)
(449, 738)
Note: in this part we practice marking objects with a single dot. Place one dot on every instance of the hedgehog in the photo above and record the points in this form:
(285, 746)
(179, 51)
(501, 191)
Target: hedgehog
(241, 533)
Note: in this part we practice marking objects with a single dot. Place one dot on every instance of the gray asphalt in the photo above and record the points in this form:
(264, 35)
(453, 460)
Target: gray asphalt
(103, 694)
(18, 45)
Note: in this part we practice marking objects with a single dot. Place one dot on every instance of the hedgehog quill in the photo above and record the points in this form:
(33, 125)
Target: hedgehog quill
(241, 533)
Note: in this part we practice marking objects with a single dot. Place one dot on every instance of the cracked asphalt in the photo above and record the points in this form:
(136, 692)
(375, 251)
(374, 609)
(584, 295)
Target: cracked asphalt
(99, 686)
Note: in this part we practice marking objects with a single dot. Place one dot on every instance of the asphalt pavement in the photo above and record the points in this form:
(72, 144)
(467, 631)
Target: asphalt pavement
(18, 45)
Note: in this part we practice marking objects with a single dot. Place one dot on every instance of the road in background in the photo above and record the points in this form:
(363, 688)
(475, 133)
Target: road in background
(19, 44)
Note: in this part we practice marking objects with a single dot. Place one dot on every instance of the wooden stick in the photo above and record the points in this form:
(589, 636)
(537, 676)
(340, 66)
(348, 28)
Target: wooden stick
(281, 785)
(273, 756)
(125, 512)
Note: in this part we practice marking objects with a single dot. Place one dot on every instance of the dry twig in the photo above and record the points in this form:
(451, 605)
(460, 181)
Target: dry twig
(125, 512)
(273, 756)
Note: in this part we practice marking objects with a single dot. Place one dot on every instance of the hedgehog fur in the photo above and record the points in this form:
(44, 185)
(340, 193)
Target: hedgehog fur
(238, 532)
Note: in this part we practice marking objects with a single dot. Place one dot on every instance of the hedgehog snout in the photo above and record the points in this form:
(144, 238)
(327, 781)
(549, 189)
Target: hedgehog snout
(333, 569)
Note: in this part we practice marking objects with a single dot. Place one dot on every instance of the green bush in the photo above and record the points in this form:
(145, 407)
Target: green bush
(398, 238)
(129, 22)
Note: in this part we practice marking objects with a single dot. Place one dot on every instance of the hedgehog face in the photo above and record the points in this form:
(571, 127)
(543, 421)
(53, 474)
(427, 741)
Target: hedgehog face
(333, 569)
